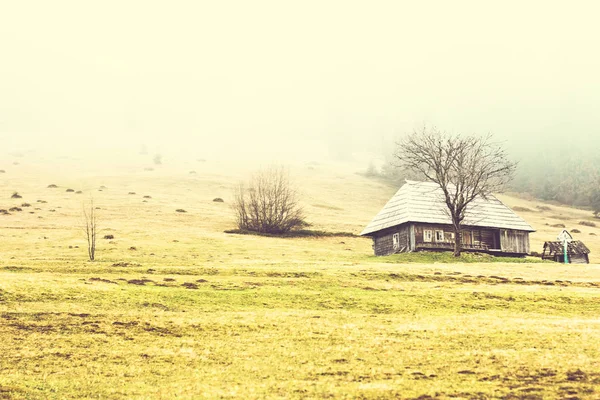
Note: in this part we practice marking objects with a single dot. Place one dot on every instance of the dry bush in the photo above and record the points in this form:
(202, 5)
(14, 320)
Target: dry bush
(16, 195)
(268, 203)
(52, 186)
(218, 200)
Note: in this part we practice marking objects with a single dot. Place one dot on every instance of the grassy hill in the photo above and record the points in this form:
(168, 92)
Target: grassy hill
(173, 306)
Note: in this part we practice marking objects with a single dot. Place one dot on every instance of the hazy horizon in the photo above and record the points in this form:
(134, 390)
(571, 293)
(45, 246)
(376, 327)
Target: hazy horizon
(271, 79)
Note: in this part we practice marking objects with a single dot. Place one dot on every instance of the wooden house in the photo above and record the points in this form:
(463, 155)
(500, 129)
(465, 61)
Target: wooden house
(577, 252)
(416, 218)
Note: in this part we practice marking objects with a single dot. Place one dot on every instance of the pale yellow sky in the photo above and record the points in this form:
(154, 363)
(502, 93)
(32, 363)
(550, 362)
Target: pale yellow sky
(321, 74)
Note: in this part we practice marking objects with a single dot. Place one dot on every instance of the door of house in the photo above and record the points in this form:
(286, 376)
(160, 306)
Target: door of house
(467, 238)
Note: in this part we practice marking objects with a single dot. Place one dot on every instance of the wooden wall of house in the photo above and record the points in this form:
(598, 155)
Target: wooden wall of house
(471, 237)
(579, 259)
(383, 243)
(514, 241)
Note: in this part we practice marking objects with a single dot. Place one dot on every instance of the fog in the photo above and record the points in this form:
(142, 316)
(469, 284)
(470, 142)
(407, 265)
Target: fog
(310, 79)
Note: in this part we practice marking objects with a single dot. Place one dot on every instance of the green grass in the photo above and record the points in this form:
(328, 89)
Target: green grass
(194, 312)
(367, 331)
(426, 257)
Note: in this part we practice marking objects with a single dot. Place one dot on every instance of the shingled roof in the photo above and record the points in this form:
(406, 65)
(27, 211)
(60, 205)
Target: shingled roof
(424, 202)
(574, 247)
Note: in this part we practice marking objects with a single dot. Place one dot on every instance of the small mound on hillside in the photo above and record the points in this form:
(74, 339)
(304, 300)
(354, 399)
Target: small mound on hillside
(70, 191)
(132, 193)
(558, 226)
(17, 209)
(52, 186)
(4, 212)
(42, 201)
(192, 172)
(218, 200)
(25, 205)
(108, 237)
(16, 195)
(592, 234)
(78, 192)
(180, 210)
(543, 208)
(2, 171)
(587, 223)
(147, 197)
(522, 209)
(575, 231)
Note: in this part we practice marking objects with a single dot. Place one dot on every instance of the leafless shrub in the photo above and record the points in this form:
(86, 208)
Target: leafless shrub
(16, 195)
(268, 203)
(90, 228)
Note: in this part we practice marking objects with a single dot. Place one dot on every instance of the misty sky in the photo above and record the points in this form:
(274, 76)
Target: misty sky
(200, 74)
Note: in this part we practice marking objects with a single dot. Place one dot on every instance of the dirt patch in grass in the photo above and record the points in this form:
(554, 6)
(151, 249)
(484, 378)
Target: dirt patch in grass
(140, 282)
(468, 279)
(293, 234)
(126, 264)
(102, 280)
(189, 285)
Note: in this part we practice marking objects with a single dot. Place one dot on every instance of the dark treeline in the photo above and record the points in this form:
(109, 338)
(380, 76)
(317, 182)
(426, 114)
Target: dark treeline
(559, 172)
(571, 178)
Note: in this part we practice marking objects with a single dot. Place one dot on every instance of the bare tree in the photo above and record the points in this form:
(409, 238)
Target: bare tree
(465, 167)
(90, 228)
(268, 203)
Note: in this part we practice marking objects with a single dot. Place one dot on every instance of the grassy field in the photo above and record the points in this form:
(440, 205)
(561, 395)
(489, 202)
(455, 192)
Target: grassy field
(175, 308)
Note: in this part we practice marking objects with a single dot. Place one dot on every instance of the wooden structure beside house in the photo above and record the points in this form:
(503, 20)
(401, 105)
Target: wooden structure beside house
(416, 218)
(577, 252)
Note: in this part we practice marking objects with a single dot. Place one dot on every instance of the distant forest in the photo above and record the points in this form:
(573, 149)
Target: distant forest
(569, 175)
(572, 178)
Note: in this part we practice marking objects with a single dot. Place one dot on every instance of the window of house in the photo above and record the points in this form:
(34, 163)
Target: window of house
(396, 239)
(439, 236)
(427, 235)
(451, 235)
